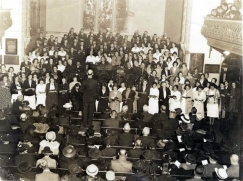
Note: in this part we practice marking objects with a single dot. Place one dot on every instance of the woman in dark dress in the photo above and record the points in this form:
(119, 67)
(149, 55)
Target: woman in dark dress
(103, 98)
(63, 95)
(143, 93)
(51, 93)
(77, 98)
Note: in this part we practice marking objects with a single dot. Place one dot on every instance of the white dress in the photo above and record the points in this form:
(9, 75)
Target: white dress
(175, 103)
(212, 104)
(40, 94)
(199, 99)
(153, 102)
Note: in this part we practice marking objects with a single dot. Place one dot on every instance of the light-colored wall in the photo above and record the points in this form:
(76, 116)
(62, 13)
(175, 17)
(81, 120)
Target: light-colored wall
(198, 43)
(15, 31)
(149, 15)
(61, 15)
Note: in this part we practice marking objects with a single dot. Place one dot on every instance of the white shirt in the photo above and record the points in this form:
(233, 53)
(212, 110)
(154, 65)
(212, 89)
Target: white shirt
(91, 59)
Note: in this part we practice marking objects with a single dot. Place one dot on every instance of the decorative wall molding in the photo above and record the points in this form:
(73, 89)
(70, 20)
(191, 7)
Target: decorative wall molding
(223, 34)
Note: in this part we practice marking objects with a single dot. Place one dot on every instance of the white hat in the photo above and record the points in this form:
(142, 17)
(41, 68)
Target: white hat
(92, 170)
(221, 173)
(110, 175)
(51, 135)
(67, 105)
(23, 115)
(185, 118)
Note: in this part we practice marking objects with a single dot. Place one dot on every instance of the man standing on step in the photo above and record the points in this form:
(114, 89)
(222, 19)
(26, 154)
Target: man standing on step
(90, 93)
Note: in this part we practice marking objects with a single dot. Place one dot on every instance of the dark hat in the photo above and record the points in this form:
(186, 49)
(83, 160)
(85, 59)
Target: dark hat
(47, 150)
(69, 151)
(183, 126)
(107, 110)
(26, 137)
(194, 110)
(89, 132)
(25, 103)
(190, 158)
(74, 169)
(24, 167)
(207, 147)
(94, 153)
(189, 142)
(210, 137)
(148, 155)
(170, 145)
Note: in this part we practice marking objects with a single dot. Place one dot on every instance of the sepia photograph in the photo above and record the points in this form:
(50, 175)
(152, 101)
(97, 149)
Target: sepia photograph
(121, 90)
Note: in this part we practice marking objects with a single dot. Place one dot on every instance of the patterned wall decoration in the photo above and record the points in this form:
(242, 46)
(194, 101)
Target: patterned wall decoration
(121, 15)
(89, 14)
(105, 13)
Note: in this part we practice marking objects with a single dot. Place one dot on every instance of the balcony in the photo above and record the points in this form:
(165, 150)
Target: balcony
(223, 34)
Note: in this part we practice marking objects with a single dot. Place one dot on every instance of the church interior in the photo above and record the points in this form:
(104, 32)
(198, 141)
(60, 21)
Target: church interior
(121, 90)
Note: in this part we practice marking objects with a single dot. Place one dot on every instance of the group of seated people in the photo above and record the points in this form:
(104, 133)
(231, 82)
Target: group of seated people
(227, 11)
(155, 124)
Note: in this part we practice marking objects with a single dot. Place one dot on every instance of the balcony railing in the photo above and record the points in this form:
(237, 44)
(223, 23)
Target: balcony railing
(224, 34)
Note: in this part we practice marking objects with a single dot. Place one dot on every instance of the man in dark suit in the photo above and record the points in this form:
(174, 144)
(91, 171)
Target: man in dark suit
(128, 97)
(126, 138)
(112, 121)
(164, 92)
(90, 94)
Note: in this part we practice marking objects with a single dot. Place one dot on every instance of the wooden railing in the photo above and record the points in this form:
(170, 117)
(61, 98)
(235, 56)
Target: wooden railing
(224, 34)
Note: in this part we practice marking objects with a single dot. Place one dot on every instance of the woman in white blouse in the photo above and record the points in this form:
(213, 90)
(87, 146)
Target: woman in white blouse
(41, 93)
(175, 97)
(174, 49)
(135, 49)
(153, 99)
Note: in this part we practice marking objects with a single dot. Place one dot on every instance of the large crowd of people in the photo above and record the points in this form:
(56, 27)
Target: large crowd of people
(108, 107)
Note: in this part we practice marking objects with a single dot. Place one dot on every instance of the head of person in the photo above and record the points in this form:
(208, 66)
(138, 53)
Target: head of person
(90, 73)
(127, 127)
(146, 131)
(124, 108)
(113, 114)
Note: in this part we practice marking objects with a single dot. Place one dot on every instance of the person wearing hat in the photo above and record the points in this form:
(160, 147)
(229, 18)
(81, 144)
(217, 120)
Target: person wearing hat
(46, 174)
(233, 169)
(212, 103)
(209, 169)
(190, 162)
(199, 98)
(121, 164)
(197, 174)
(112, 121)
(91, 171)
(94, 157)
(108, 151)
(90, 94)
(52, 163)
(126, 138)
(49, 141)
(74, 169)
(146, 163)
(221, 174)
(67, 156)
